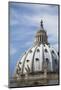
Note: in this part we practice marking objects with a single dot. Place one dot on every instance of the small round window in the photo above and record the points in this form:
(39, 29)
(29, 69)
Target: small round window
(37, 59)
(27, 60)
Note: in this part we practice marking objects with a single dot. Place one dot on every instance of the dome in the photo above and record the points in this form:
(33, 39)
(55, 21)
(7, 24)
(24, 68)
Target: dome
(35, 58)
(41, 56)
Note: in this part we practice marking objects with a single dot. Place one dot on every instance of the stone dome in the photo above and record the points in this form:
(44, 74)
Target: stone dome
(39, 57)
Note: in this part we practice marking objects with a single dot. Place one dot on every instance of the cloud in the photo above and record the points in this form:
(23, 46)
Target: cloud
(24, 26)
(23, 10)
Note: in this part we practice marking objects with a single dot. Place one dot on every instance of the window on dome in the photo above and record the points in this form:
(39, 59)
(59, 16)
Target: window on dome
(55, 61)
(25, 53)
(58, 53)
(37, 59)
(38, 50)
(30, 51)
(52, 51)
(27, 60)
(19, 62)
(44, 45)
(20, 69)
(47, 60)
(46, 50)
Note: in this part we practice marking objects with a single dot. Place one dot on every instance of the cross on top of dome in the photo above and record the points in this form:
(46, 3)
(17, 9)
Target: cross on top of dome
(41, 23)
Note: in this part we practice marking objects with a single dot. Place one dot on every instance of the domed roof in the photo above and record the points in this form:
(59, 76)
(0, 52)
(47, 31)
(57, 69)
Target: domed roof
(36, 58)
(39, 57)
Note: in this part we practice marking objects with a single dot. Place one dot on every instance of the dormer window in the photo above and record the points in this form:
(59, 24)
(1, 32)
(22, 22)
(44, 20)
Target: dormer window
(30, 51)
(46, 50)
(52, 51)
(37, 59)
(27, 60)
(38, 50)
(19, 62)
(55, 61)
(44, 45)
(47, 60)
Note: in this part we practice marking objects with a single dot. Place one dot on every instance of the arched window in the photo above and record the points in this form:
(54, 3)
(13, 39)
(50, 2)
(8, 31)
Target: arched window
(38, 50)
(47, 60)
(52, 51)
(46, 50)
(55, 61)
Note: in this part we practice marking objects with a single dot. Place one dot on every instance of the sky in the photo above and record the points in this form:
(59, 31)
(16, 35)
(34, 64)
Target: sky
(25, 22)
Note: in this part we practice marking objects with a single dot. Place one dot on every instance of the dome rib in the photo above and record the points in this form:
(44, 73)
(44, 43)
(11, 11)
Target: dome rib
(41, 57)
(32, 66)
(25, 59)
(55, 52)
(50, 56)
